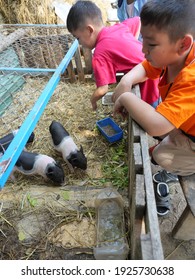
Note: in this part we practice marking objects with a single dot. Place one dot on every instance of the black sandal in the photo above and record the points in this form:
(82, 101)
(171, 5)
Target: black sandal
(164, 177)
(162, 199)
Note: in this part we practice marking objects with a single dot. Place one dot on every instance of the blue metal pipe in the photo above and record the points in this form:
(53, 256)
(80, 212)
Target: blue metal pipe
(14, 150)
(27, 70)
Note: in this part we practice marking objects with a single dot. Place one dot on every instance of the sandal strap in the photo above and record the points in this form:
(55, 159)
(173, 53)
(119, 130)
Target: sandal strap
(164, 204)
(166, 176)
(162, 201)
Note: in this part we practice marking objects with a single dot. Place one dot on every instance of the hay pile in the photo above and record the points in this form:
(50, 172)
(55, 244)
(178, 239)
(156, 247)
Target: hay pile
(28, 11)
(38, 11)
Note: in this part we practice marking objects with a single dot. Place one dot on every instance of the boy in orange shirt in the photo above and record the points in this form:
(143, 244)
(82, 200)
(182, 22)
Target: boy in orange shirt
(168, 31)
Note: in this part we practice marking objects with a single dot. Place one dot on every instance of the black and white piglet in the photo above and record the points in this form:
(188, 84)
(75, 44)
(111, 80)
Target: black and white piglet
(64, 144)
(37, 164)
(6, 140)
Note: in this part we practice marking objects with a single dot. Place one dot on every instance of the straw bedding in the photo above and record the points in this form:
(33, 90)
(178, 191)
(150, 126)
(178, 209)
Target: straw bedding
(62, 216)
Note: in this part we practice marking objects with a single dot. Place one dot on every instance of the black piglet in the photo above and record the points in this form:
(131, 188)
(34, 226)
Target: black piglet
(64, 144)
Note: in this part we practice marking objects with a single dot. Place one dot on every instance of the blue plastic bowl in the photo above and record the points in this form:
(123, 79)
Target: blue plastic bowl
(110, 130)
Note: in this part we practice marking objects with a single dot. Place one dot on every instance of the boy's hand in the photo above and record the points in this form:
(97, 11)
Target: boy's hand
(123, 86)
(94, 102)
(98, 94)
(119, 109)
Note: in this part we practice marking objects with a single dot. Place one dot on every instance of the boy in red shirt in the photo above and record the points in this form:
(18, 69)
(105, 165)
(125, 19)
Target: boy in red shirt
(116, 48)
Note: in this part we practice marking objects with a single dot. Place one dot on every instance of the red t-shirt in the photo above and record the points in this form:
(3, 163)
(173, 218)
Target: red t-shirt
(117, 50)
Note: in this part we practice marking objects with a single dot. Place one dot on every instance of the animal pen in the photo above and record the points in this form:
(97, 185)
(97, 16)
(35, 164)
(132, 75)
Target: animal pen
(34, 59)
(32, 51)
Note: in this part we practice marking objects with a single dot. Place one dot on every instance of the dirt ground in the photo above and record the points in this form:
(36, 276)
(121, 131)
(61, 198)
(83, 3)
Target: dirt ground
(40, 221)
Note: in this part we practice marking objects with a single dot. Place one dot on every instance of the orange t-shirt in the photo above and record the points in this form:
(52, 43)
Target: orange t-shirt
(178, 98)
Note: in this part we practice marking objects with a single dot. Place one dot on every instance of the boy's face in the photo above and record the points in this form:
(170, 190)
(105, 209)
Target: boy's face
(85, 37)
(158, 49)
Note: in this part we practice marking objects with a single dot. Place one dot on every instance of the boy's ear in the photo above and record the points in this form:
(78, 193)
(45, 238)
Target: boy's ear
(90, 28)
(185, 43)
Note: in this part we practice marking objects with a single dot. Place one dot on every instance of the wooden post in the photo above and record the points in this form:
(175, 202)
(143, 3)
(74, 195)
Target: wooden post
(185, 226)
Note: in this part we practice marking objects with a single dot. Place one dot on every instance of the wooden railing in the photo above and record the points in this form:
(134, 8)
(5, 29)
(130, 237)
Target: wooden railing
(145, 232)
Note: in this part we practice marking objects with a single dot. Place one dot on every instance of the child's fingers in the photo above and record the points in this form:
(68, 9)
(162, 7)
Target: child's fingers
(124, 113)
(118, 109)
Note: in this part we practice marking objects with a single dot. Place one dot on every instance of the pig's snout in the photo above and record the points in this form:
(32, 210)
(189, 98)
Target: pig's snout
(78, 159)
(55, 173)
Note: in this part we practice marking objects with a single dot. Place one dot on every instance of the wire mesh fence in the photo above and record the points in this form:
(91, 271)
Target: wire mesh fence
(21, 102)
(25, 47)
(36, 46)
(29, 56)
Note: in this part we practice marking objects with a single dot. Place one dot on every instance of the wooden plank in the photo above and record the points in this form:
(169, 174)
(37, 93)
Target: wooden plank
(136, 127)
(138, 158)
(153, 225)
(185, 226)
(59, 48)
(131, 192)
(49, 53)
(188, 185)
(136, 132)
(27, 52)
(18, 50)
(87, 54)
(137, 209)
(146, 247)
(79, 66)
(140, 197)
(144, 221)
(136, 253)
(151, 214)
(131, 162)
(71, 73)
(36, 49)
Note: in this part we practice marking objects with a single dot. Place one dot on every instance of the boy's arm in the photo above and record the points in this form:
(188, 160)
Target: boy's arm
(98, 94)
(144, 114)
(133, 77)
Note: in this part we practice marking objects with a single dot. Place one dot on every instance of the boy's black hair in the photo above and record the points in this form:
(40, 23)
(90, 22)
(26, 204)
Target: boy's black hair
(177, 17)
(80, 13)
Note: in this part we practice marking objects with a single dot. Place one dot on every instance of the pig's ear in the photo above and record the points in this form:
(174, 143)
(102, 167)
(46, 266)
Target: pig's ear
(73, 159)
(55, 174)
(50, 171)
(58, 164)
